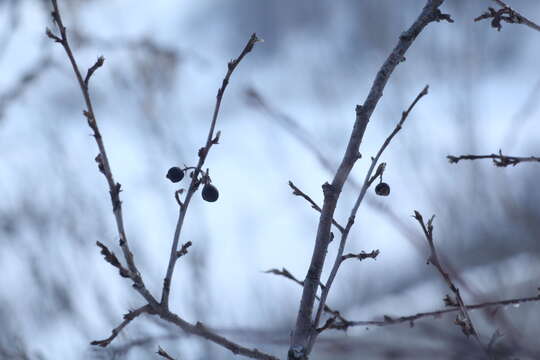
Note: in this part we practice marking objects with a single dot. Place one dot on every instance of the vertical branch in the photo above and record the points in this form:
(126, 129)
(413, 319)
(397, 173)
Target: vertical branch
(195, 182)
(304, 328)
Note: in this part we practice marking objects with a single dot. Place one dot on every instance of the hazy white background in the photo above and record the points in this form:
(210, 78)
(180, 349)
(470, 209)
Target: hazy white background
(154, 99)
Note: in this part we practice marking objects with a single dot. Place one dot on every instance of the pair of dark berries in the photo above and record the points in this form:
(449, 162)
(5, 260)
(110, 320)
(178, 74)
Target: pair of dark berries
(209, 192)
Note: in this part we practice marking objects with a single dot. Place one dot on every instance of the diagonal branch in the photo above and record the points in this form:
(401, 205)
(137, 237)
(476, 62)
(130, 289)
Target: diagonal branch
(304, 329)
(464, 320)
(102, 159)
(286, 274)
(410, 319)
(203, 153)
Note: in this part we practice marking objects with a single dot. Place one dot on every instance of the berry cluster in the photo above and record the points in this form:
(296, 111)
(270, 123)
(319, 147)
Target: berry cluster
(209, 192)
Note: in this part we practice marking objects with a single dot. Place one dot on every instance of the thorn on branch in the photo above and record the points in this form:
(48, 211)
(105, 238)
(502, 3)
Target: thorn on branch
(215, 140)
(184, 250)
(440, 16)
(99, 63)
(111, 258)
(50, 34)
(164, 354)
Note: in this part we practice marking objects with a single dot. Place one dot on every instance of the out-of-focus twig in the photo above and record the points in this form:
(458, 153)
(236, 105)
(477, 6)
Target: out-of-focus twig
(506, 14)
(132, 314)
(152, 307)
(499, 159)
(463, 320)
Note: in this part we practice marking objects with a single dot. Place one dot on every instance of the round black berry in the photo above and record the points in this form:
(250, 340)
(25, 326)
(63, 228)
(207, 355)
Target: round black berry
(382, 189)
(175, 174)
(210, 193)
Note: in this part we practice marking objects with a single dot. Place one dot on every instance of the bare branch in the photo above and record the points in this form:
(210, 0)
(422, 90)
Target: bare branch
(132, 314)
(111, 258)
(164, 354)
(99, 63)
(463, 320)
(102, 158)
(203, 153)
(387, 320)
(506, 14)
(304, 329)
(200, 330)
(499, 159)
(298, 192)
(361, 256)
(369, 178)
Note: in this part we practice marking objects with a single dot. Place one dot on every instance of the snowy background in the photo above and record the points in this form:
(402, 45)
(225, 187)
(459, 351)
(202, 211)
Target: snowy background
(154, 99)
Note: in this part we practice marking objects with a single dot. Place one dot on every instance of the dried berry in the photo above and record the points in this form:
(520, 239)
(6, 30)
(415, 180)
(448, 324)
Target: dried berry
(382, 189)
(175, 174)
(210, 193)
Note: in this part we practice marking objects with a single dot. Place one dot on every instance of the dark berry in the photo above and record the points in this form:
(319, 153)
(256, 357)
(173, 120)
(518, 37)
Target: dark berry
(382, 189)
(175, 174)
(210, 193)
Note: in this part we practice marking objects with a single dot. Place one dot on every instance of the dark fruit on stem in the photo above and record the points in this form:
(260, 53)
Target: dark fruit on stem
(210, 193)
(175, 174)
(382, 189)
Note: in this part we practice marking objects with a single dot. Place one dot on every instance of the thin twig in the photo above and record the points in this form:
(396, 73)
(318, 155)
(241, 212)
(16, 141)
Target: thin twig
(102, 159)
(464, 320)
(361, 256)
(164, 354)
(499, 159)
(388, 320)
(506, 14)
(132, 314)
(203, 153)
(304, 328)
(200, 330)
(298, 192)
(369, 178)
(287, 274)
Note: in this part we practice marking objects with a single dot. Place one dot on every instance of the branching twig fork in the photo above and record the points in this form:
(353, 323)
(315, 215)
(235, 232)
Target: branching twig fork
(304, 328)
(394, 320)
(465, 321)
(369, 178)
(203, 153)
